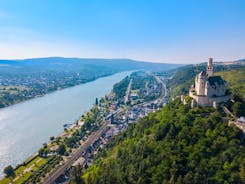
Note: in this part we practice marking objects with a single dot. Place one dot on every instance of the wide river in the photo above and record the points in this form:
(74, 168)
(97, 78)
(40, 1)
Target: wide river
(24, 127)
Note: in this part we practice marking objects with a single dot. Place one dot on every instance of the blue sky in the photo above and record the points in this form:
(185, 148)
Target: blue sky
(178, 31)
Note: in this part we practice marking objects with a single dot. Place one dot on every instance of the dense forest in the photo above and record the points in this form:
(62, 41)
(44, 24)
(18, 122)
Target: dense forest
(174, 145)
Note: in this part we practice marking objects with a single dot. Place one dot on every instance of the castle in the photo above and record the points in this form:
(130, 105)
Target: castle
(208, 90)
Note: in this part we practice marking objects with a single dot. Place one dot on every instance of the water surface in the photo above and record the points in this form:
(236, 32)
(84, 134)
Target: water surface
(24, 127)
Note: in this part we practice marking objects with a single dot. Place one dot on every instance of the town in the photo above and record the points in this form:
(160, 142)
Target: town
(130, 100)
(123, 110)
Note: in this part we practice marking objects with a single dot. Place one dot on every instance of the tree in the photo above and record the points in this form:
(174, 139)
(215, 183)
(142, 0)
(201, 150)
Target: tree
(61, 150)
(45, 145)
(43, 152)
(96, 101)
(9, 171)
(57, 140)
(238, 109)
(76, 175)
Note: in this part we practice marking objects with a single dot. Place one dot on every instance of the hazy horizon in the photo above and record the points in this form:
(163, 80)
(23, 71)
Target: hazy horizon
(166, 62)
(156, 31)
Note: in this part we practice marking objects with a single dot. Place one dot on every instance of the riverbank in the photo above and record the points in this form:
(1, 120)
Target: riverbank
(51, 111)
(20, 94)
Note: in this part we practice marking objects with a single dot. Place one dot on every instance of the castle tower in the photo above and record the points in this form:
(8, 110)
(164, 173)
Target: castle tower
(200, 83)
(209, 70)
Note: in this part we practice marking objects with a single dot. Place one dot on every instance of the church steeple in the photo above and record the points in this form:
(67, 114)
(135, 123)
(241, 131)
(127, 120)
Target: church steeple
(209, 70)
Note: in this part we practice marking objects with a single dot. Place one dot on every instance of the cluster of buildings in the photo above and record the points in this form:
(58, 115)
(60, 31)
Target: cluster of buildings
(141, 110)
(119, 119)
(119, 116)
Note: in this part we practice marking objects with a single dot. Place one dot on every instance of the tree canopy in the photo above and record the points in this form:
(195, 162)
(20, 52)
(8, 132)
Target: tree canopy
(9, 171)
(174, 145)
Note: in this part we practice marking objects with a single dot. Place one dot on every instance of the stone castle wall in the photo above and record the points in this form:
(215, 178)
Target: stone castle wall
(208, 101)
(200, 85)
(219, 91)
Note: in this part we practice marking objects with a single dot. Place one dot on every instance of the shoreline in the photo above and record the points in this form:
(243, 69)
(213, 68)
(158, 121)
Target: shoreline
(73, 126)
(32, 156)
(59, 134)
(60, 88)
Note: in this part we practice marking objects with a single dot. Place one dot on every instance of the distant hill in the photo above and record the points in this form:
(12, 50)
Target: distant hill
(241, 61)
(77, 64)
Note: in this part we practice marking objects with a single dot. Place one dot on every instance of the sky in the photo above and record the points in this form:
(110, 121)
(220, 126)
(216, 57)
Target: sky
(173, 31)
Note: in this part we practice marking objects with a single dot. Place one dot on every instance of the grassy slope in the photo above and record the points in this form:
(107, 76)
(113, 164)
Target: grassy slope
(235, 80)
(23, 172)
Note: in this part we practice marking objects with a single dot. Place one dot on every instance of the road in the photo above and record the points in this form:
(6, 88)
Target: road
(128, 91)
(227, 111)
(94, 136)
(237, 123)
(164, 88)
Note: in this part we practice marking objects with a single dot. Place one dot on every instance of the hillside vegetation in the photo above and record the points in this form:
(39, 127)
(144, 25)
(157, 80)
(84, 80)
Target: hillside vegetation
(142, 85)
(236, 80)
(184, 77)
(174, 145)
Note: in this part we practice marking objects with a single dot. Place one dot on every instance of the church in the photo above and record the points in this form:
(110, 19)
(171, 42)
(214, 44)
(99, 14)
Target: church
(208, 90)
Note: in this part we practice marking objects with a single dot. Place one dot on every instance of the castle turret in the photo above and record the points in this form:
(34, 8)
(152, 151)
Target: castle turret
(209, 69)
(200, 83)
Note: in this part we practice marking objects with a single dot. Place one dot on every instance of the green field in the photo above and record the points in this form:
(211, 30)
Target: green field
(24, 171)
(235, 80)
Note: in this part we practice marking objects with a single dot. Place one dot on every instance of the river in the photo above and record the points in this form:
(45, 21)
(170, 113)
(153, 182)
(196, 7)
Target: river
(24, 127)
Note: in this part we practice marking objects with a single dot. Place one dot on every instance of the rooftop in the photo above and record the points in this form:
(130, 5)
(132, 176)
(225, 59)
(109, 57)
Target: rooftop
(213, 80)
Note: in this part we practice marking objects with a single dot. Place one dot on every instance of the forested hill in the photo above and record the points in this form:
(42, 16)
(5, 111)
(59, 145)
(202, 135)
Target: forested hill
(175, 145)
(78, 64)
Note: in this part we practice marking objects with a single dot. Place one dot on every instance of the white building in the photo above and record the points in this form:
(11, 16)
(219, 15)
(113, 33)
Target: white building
(209, 90)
